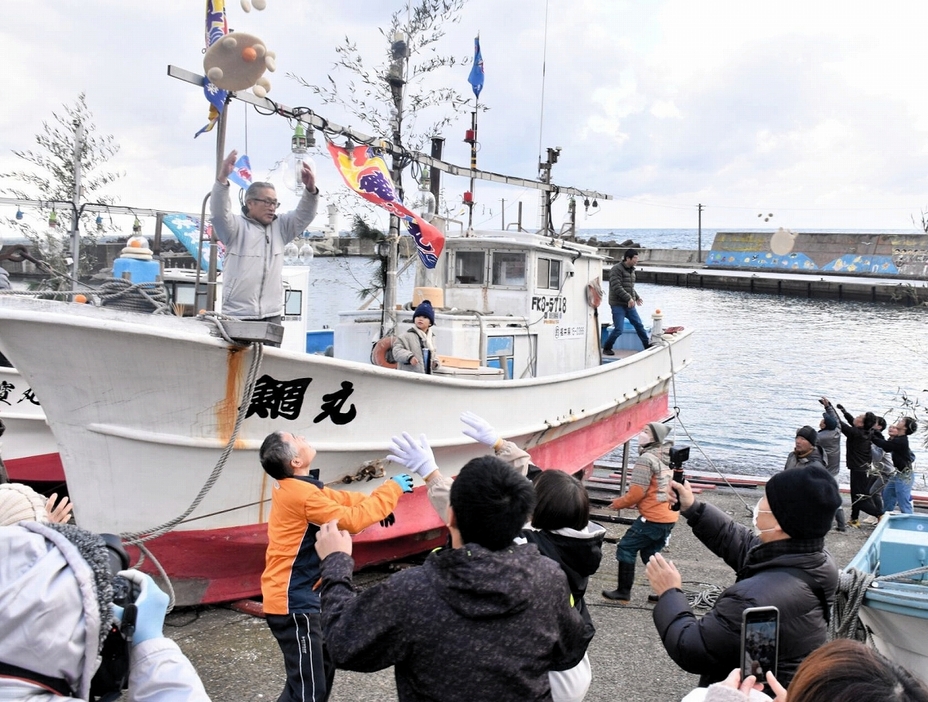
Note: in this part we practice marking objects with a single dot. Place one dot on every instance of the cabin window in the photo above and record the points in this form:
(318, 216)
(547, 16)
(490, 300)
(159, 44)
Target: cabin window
(549, 274)
(293, 303)
(508, 269)
(470, 267)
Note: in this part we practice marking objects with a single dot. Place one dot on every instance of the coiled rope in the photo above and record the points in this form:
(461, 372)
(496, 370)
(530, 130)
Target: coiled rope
(852, 588)
(150, 298)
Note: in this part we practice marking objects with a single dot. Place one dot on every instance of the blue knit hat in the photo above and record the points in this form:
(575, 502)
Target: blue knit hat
(830, 421)
(425, 310)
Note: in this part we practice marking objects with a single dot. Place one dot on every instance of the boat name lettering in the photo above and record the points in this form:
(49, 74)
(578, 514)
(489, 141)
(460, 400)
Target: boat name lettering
(6, 387)
(332, 405)
(545, 303)
(276, 399)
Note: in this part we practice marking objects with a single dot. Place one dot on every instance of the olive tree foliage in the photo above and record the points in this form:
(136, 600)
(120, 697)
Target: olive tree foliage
(426, 94)
(49, 181)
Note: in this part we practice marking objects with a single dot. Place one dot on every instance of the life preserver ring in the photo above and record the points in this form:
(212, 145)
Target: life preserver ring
(379, 353)
(594, 293)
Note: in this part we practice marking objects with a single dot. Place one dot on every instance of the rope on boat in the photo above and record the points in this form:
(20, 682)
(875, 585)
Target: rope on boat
(137, 538)
(215, 318)
(678, 420)
(150, 298)
(852, 588)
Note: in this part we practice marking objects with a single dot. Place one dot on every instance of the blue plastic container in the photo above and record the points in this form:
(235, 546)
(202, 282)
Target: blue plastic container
(139, 271)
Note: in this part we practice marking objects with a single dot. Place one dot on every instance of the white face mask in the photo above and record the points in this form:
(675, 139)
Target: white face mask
(757, 510)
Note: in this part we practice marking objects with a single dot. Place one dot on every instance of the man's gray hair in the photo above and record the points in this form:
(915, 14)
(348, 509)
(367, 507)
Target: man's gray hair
(252, 192)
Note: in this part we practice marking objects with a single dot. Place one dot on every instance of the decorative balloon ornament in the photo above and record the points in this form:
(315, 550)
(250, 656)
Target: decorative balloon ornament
(238, 62)
(257, 4)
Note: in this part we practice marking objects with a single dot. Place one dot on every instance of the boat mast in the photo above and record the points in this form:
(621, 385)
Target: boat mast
(76, 205)
(396, 77)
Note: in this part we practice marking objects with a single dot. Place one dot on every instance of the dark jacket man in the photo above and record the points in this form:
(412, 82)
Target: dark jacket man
(785, 566)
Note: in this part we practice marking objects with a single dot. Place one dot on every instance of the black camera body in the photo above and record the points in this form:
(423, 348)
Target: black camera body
(113, 674)
(678, 456)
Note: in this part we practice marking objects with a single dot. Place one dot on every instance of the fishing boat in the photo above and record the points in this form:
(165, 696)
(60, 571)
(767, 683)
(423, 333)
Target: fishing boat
(159, 418)
(894, 608)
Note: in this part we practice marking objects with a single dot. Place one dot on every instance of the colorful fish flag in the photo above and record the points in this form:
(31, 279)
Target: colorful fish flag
(241, 172)
(476, 72)
(365, 171)
(216, 28)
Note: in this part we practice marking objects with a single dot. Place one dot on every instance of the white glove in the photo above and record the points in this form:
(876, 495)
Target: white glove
(479, 430)
(416, 456)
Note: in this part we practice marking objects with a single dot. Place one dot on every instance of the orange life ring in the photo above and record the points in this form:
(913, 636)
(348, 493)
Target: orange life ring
(379, 353)
(594, 293)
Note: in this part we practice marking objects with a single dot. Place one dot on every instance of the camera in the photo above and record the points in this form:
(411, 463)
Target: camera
(113, 674)
(678, 456)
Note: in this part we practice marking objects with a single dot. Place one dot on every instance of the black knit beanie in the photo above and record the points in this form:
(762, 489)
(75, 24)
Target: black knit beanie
(803, 501)
(808, 433)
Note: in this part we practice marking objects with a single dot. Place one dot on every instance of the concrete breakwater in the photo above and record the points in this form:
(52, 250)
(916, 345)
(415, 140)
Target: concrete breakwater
(863, 267)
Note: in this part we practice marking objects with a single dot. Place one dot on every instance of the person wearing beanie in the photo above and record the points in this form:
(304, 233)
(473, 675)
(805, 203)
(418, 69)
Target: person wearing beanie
(781, 563)
(865, 490)
(648, 493)
(806, 453)
(414, 350)
(56, 611)
(829, 440)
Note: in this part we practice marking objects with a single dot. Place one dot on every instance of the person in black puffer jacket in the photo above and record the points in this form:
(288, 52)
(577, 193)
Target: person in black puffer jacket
(784, 564)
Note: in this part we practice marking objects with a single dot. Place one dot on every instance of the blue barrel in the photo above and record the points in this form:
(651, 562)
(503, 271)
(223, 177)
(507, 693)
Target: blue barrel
(139, 271)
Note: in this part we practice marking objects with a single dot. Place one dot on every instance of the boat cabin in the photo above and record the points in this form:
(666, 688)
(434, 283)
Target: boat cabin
(507, 305)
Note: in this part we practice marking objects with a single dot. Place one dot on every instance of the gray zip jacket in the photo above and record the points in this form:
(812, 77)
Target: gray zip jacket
(252, 279)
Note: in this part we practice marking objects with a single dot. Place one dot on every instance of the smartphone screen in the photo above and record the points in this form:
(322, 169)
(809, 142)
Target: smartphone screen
(759, 642)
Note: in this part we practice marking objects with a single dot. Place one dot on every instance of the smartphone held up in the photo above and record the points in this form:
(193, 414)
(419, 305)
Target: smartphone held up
(760, 637)
(678, 456)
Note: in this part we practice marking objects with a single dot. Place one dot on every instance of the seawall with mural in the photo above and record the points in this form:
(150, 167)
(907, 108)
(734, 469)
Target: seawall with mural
(883, 255)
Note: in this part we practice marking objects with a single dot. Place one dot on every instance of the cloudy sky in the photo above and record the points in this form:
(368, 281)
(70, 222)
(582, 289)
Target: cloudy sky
(815, 111)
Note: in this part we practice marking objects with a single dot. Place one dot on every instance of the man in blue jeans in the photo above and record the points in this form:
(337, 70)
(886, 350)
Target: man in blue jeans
(623, 299)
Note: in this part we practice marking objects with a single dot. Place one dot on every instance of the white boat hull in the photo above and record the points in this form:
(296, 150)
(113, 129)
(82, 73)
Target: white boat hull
(142, 407)
(896, 611)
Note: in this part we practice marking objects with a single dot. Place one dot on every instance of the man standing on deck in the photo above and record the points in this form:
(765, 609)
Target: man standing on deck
(253, 264)
(623, 300)
(858, 459)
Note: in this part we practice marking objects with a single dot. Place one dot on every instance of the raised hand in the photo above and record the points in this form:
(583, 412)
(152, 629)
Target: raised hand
(479, 429)
(416, 456)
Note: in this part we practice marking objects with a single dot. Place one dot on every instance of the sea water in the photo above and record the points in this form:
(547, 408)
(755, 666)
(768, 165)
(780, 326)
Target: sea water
(760, 361)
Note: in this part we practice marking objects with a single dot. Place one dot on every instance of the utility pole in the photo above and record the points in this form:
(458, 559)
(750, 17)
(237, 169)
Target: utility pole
(76, 204)
(699, 236)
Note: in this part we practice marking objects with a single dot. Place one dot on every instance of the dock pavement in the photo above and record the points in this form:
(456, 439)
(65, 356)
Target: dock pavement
(238, 659)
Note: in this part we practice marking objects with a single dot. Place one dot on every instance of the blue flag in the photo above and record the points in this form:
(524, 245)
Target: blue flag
(241, 174)
(476, 72)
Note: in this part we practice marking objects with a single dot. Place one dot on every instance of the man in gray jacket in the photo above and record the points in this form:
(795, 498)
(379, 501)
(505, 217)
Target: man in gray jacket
(254, 241)
(623, 300)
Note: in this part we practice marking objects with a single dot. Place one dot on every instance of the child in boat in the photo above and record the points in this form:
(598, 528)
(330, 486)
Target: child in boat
(414, 350)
